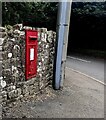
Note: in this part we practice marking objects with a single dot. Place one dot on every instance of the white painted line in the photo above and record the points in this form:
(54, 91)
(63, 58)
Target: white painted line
(87, 76)
(78, 59)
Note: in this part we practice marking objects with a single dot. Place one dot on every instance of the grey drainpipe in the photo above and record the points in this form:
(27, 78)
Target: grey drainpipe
(63, 20)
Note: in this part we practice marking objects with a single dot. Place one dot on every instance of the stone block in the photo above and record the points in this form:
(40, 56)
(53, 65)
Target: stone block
(1, 99)
(12, 94)
(30, 82)
(25, 90)
(10, 88)
(2, 29)
(18, 92)
(4, 95)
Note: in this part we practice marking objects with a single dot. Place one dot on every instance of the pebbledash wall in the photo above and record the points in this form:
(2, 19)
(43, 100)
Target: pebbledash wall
(13, 83)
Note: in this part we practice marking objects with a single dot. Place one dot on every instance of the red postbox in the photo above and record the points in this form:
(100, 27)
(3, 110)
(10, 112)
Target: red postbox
(31, 53)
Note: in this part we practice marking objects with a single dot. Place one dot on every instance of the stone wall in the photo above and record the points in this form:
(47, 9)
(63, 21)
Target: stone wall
(13, 82)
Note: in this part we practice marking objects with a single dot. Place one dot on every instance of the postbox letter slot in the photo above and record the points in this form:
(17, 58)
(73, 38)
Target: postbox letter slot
(33, 37)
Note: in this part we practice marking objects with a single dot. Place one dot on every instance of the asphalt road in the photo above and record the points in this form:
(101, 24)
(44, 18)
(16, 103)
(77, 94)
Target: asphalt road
(93, 67)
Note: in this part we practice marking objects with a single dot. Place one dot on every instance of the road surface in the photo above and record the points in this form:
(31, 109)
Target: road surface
(88, 65)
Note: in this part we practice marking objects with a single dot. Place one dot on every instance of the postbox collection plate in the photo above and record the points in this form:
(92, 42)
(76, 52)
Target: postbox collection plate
(31, 53)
